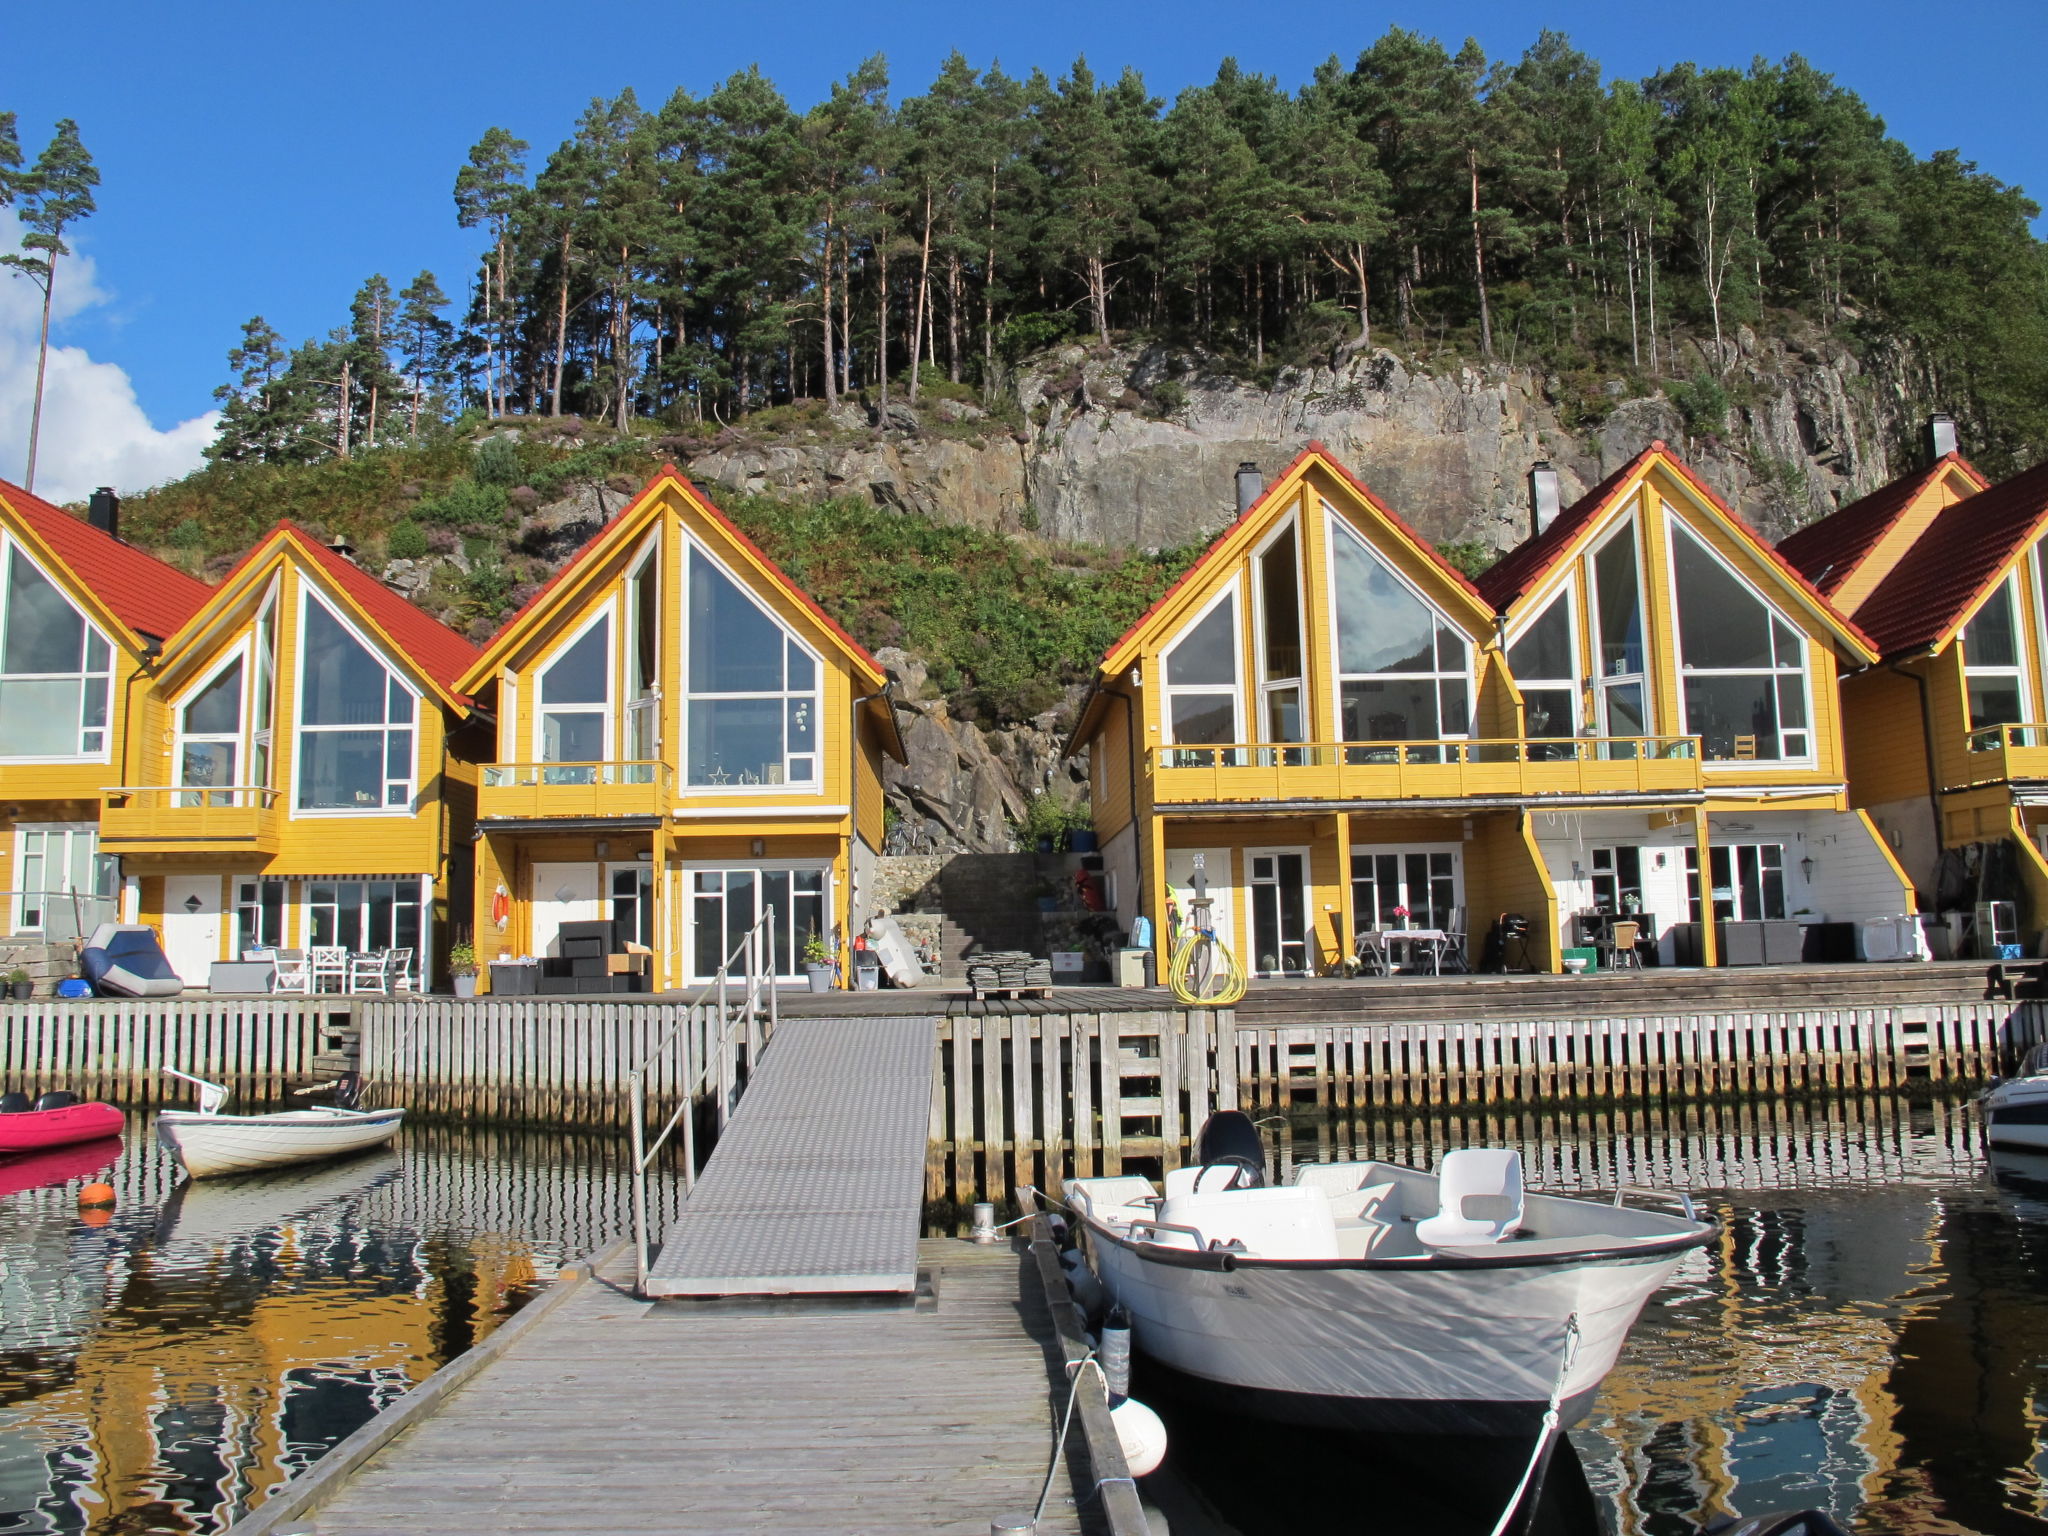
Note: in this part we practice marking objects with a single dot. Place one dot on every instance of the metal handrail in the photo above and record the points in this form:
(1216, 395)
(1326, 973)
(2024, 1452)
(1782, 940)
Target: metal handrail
(1645, 1192)
(1201, 1242)
(757, 947)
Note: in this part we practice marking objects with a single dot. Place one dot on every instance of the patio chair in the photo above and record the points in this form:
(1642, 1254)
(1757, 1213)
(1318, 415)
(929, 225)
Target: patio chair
(1451, 949)
(1372, 957)
(400, 975)
(370, 972)
(1621, 945)
(327, 962)
(1479, 1191)
(292, 975)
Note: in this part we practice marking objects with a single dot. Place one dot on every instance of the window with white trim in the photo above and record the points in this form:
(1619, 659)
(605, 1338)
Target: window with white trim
(1281, 713)
(357, 720)
(725, 903)
(1622, 684)
(754, 708)
(1202, 682)
(259, 914)
(56, 670)
(1742, 666)
(364, 915)
(1993, 672)
(572, 695)
(1404, 672)
(1422, 882)
(643, 658)
(210, 737)
(1747, 881)
(263, 695)
(1542, 661)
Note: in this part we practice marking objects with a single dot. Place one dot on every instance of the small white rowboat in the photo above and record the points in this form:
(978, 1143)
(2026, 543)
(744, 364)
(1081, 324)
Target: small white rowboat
(209, 1143)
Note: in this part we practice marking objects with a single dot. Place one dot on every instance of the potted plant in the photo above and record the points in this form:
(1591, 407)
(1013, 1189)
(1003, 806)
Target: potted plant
(462, 966)
(19, 987)
(817, 963)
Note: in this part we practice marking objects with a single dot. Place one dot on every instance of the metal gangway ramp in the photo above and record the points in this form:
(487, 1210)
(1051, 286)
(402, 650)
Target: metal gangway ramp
(816, 1185)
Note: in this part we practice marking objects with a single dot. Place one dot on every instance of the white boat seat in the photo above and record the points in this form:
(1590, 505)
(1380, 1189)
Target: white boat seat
(1204, 1177)
(1283, 1223)
(1480, 1198)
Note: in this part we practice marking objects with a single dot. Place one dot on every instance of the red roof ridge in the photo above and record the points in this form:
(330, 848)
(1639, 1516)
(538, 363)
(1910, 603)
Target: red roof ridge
(1313, 450)
(148, 595)
(1831, 549)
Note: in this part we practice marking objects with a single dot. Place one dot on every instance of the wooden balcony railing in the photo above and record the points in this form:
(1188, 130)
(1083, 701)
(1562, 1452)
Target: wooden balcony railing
(538, 790)
(1414, 770)
(182, 818)
(2007, 752)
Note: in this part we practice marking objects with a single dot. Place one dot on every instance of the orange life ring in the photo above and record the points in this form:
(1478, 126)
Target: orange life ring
(501, 909)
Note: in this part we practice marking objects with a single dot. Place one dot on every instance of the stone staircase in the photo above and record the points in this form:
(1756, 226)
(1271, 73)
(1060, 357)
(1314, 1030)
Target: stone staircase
(990, 902)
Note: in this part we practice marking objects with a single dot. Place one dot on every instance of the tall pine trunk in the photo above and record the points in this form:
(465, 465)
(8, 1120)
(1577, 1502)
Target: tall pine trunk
(917, 323)
(825, 324)
(561, 328)
(1479, 260)
(954, 288)
(35, 420)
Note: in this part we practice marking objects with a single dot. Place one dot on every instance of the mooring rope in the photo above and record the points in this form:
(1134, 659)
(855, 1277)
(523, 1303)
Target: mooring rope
(1075, 1368)
(1550, 1417)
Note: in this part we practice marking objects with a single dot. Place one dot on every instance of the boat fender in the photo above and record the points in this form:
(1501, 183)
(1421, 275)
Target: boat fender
(1115, 1355)
(1087, 1291)
(15, 1103)
(1142, 1434)
(1804, 1522)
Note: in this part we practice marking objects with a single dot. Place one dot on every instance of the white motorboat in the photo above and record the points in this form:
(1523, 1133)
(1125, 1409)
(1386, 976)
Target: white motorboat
(210, 1143)
(1375, 1297)
(2015, 1108)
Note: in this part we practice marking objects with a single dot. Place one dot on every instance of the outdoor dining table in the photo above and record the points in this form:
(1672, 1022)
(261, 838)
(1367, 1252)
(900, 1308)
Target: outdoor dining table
(1378, 943)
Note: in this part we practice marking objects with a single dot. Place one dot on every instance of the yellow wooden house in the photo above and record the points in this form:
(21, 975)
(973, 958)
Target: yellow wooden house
(1650, 610)
(1347, 737)
(1947, 747)
(686, 742)
(299, 779)
(83, 617)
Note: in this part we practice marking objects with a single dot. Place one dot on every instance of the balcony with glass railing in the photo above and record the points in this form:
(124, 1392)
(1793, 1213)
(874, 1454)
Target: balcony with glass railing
(2006, 752)
(536, 791)
(1425, 770)
(178, 818)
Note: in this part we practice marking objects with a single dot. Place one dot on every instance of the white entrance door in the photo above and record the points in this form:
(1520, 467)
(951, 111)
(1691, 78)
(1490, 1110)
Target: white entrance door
(562, 893)
(1282, 935)
(1181, 864)
(192, 923)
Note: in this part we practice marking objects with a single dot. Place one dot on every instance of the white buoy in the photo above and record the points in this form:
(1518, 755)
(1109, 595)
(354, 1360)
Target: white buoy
(1142, 1434)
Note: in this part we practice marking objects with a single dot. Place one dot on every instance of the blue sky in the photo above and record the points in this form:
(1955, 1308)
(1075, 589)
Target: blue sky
(265, 158)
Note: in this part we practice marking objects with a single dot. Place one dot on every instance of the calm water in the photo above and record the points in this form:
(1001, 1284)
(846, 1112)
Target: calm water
(1870, 1336)
(203, 1343)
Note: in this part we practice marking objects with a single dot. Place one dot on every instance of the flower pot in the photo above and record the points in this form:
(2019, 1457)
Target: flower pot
(21, 991)
(819, 977)
(1082, 840)
(1045, 845)
(465, 986)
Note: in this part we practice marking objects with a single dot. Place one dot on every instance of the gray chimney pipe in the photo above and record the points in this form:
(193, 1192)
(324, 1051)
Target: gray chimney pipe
(1543, 497)
(1941, 436)
(104, 511)
(1251, 485)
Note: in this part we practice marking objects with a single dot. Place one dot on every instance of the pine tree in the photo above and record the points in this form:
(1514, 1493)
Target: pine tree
(10, 158)
(423, 339)
(53, 196)
(248, 422)
(487, 192)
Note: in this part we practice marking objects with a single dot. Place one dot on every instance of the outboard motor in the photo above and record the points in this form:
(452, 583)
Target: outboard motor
(14, 1103)
(57, 1098)
(1230, 1140)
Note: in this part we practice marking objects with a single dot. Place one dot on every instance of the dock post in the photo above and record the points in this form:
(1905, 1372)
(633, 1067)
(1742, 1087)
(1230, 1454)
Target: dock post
(639, 1099)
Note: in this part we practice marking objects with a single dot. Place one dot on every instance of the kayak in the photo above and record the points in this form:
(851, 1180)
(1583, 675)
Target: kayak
(51, 1124)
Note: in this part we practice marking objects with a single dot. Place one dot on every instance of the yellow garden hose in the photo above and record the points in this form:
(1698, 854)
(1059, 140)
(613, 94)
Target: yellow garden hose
(1218, 983)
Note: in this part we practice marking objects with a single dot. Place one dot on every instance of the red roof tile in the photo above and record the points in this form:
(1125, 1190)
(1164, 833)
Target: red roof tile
(668, 471)
(1828, 552)
(150, 597)
(1315, 450)
(1955, 562)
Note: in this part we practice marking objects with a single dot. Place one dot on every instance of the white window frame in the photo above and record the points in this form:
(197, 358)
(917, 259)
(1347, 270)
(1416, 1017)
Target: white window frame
(418, 888)
(1169, 691)
(1400, 851)
(1337, 526)
(1566, 592)
(820, 752)
(300, 730)
(242, 651)
(1262, 727)
(2018, 670)
(629, 638)
(538, 673)
(790, 967)
(1673, 527)
(1626, 526)
(23, 830)
(12, 548)
(261, 680)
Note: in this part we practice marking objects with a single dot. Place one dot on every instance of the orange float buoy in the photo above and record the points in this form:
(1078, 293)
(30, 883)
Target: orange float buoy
(95, 1216)
(96, 1194)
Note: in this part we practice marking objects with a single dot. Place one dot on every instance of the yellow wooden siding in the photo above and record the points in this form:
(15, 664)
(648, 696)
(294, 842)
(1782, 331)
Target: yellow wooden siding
(1109, 758)
(1945, 491)
(870, 806)
(1948, 702)
(1884, 737)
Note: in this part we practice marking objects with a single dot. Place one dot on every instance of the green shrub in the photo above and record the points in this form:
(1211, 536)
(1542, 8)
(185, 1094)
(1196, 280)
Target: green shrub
(465, 504)
(1168, 397)
(497, 462)
(188, 536)
(408, 541)
(1048, 816)
(1468, 556)
(1703, 403)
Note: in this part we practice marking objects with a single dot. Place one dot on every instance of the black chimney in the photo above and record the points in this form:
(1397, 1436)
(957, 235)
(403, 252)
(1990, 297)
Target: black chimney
(1251, 485)
(1941, 436)
(1543, 497)
(341, 546)
(104, 511)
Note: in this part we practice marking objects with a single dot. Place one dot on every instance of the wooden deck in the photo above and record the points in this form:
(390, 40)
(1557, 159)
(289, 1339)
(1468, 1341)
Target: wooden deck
(618, 1415)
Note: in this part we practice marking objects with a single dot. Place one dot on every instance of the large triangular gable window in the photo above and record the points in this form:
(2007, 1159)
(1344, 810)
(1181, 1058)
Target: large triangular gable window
(1204, 698)
(55, 670)
(753, 711)
(357, 720)
(1404, 672)
(1993, 660)
(1742, 664)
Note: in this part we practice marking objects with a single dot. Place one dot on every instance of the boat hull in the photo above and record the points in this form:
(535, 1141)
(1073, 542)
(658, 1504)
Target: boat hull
(2016, 1114)
(212, 1145)
(1407, 1348)
(31, 1130)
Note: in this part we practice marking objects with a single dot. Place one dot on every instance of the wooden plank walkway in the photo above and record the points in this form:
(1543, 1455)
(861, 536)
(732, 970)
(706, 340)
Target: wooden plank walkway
(624, 1416)
(817, 1184)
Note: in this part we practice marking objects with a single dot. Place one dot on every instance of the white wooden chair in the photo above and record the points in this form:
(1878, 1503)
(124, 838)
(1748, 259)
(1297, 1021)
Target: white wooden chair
(326, 962)
(292, 975)
(370, 972)
(399, 977)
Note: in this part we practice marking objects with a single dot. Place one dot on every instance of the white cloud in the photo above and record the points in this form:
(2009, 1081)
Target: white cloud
(94, 432)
